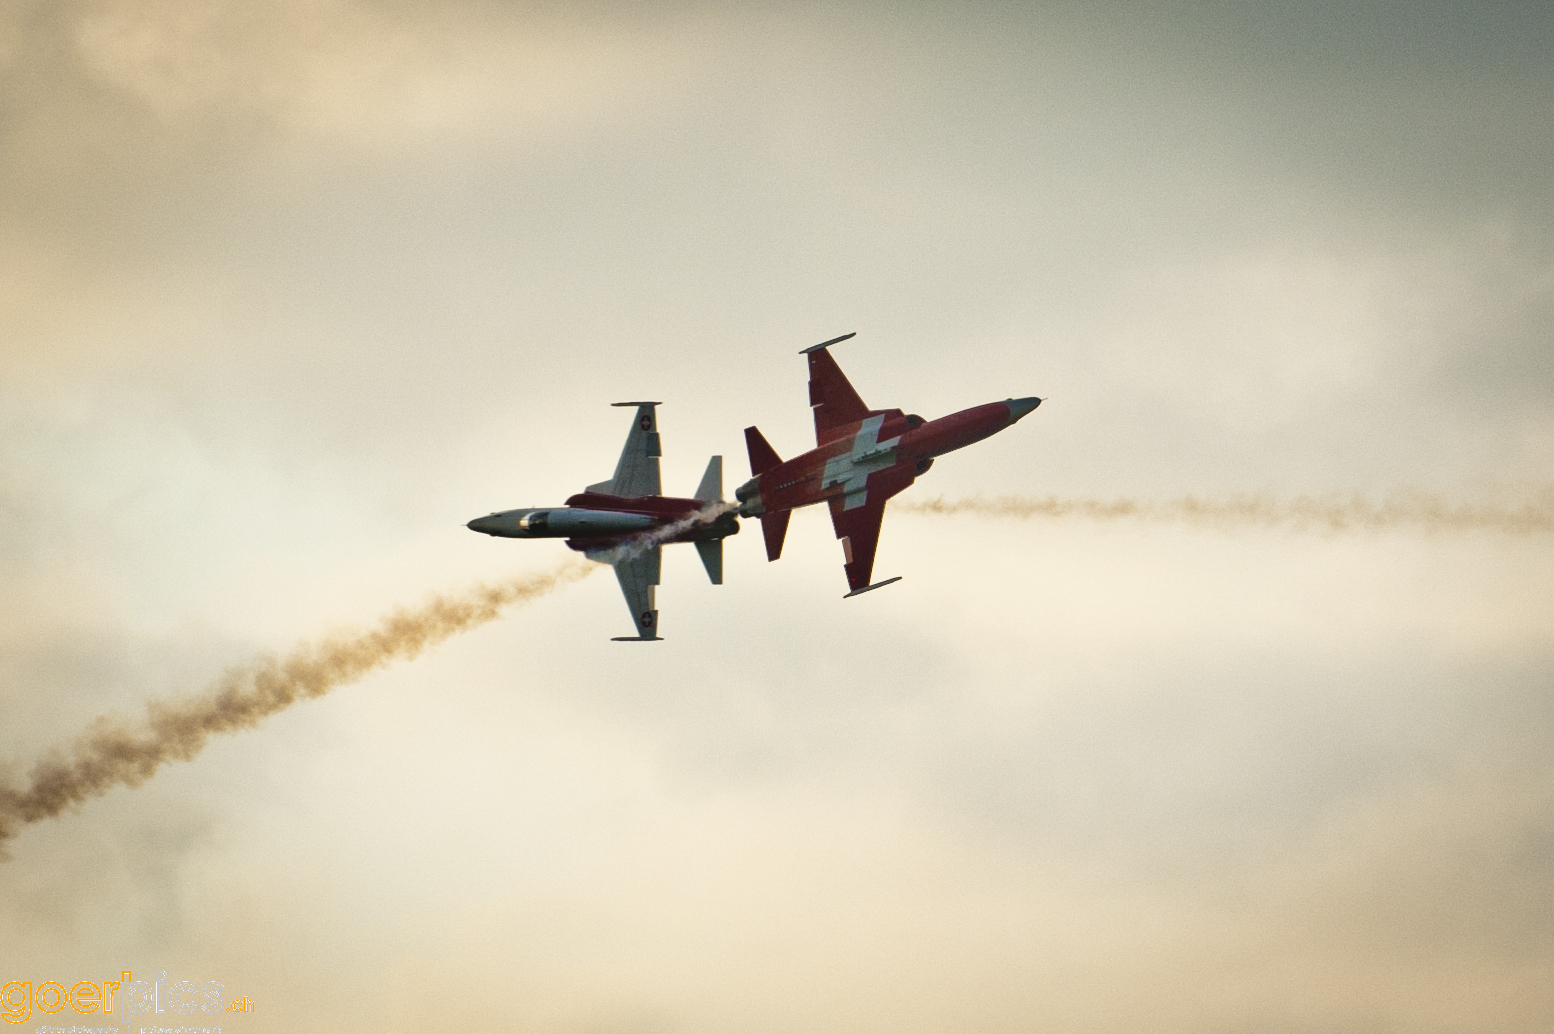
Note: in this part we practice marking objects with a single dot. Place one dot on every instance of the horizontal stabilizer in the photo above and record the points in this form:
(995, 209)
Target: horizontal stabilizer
(774, 528)
(876, 585)
(637, 639)
(762, 456)
(711, 488)
(711, 553)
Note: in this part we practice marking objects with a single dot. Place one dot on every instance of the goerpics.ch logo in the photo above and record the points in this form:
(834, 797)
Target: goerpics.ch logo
(122, 997)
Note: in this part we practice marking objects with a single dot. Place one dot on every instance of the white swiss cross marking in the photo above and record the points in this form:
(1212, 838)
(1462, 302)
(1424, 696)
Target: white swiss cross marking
(852, 468)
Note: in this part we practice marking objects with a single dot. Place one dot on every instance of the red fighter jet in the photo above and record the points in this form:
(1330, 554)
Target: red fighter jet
(863, 457)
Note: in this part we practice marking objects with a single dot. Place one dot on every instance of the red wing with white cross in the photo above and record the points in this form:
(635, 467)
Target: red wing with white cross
(838, 409)
(859, 531)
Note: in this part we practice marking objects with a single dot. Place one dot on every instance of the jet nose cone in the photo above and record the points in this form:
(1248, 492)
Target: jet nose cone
(482, 524)
(1019, 407)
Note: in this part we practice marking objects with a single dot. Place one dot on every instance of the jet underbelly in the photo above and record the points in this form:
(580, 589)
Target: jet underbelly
(575, 523)
(562, 522)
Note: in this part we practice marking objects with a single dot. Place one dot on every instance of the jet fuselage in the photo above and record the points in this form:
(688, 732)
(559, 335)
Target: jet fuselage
(592, 521)
(886, 450)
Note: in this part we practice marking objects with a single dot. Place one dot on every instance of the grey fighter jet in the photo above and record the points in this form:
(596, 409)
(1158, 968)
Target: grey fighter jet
(625, 522)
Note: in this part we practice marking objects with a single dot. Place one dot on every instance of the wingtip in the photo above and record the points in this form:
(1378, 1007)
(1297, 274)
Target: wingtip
(876, 585)
(827, 344)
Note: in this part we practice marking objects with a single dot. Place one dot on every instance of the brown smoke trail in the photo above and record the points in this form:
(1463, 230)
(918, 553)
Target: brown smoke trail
(111, 753)
(1329, 513)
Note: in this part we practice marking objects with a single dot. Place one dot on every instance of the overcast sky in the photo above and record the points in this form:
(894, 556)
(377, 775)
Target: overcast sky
(291, 289)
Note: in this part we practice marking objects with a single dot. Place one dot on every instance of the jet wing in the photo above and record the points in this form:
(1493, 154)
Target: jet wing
(859, 530)
(638, 575)
(837, 406)
(636, 473)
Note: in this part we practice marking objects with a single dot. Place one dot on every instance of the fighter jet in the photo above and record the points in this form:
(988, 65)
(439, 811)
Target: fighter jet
(864, 456)
(625, 521)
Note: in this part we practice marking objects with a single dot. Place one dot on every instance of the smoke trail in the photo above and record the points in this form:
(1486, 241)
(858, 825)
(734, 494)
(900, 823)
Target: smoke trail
(1330, 513)
(110, 753)
(639, 544)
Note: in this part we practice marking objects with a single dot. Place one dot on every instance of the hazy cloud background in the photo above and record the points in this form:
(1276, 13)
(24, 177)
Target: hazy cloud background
(292, 290)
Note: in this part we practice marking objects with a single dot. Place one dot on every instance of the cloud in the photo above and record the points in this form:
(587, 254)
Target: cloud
(349, 71)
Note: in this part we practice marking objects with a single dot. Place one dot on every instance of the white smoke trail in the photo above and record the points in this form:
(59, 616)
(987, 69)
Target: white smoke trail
(640, 544)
